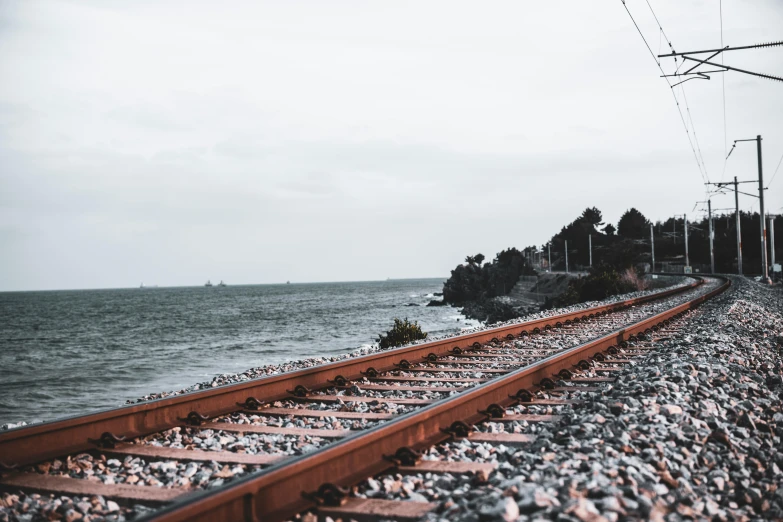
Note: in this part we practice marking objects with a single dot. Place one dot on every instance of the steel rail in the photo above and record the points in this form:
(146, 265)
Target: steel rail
(276, 493)
(31, 444)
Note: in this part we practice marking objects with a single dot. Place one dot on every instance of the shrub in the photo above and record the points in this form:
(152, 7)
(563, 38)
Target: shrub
(602, 282)
(403, 332)
(632, 279)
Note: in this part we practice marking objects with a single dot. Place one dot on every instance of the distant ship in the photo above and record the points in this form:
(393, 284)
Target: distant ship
(142, 285)
(221, 283)
(288, 282)
(208, 283)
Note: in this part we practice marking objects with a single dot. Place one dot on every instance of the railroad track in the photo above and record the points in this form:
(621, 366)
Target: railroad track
(292, 442)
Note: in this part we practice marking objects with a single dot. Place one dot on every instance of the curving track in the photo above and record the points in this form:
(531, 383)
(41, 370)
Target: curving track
(312, 431)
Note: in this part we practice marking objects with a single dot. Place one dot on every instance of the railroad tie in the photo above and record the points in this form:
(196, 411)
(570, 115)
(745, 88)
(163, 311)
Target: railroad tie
(274, 430)
(60, 485)
(456, 370)
(426, 379)
(303, 412)
(388, 387)
(509, 439)
(459, 467)
(167, 453)
(372, 509)
(352, 398)
(527, 417)
(593, 379)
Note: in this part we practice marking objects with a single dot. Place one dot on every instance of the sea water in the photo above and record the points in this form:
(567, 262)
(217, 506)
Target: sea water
(65, 353)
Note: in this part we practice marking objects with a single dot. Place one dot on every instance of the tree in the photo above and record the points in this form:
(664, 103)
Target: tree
(592, 216)
(470, 260)
(479, 258)
(633, 225)
(609, 230)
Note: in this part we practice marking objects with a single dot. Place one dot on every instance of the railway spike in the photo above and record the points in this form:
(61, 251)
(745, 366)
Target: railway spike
(108, 440)
(564, 374)
(547, 383)
(522, 396)
(458, 430)
(194, 418)
(404, 456)
(583, 365)
(7, 467)
(494, 411)
(456, 350)
(431, 357)
(328, 495)
(339, 381)
(251, 403)
(371, 372)
(300, 391)
(599, 357)
(405, 364)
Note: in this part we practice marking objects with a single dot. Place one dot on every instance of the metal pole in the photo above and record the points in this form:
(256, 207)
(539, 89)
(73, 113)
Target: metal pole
(687, 259)
(549, 251)
(652, 245)
(566, 252)
(712, 235)
(739, 232)
(590, 242)
(772, 238)
(764, 267)
(674, 229)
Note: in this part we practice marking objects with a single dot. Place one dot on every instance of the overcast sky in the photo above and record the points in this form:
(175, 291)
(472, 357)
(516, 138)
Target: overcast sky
(259, 142)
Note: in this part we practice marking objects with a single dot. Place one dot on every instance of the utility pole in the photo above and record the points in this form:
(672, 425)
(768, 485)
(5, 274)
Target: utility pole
(566, 256)
(549, 250)
(762, 221)
(772, 239)
(737, 214)
(764, 266)
(652, 246)
(590, 243)
(712, 249)
(687, 259)
(739, 233)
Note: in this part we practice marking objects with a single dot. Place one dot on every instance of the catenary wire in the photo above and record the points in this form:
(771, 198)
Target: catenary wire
(703, 166)
(776, 172)
(676, 100)
(693, 128)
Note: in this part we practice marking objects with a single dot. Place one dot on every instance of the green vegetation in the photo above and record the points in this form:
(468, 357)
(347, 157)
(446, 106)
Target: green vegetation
(602, 282)
(476, 282)
(403, 332)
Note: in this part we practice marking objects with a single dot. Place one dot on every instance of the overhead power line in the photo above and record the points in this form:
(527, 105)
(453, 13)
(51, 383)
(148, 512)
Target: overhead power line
(696, 156)
(776, 172)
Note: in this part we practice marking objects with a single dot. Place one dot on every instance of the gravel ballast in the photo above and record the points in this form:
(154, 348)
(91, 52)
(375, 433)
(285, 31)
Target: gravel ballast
(692, 431)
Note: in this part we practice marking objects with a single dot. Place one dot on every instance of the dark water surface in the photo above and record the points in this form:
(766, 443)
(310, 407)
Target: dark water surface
(72, 352)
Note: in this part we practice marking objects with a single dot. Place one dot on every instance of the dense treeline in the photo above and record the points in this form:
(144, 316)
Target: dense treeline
(620, 255)
(629, 243)
(473, 281)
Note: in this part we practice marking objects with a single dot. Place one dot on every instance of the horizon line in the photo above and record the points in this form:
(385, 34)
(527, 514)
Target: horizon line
(152, 287)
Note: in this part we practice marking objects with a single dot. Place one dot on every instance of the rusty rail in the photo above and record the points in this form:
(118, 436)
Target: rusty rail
(277, 492)
(34, 443)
